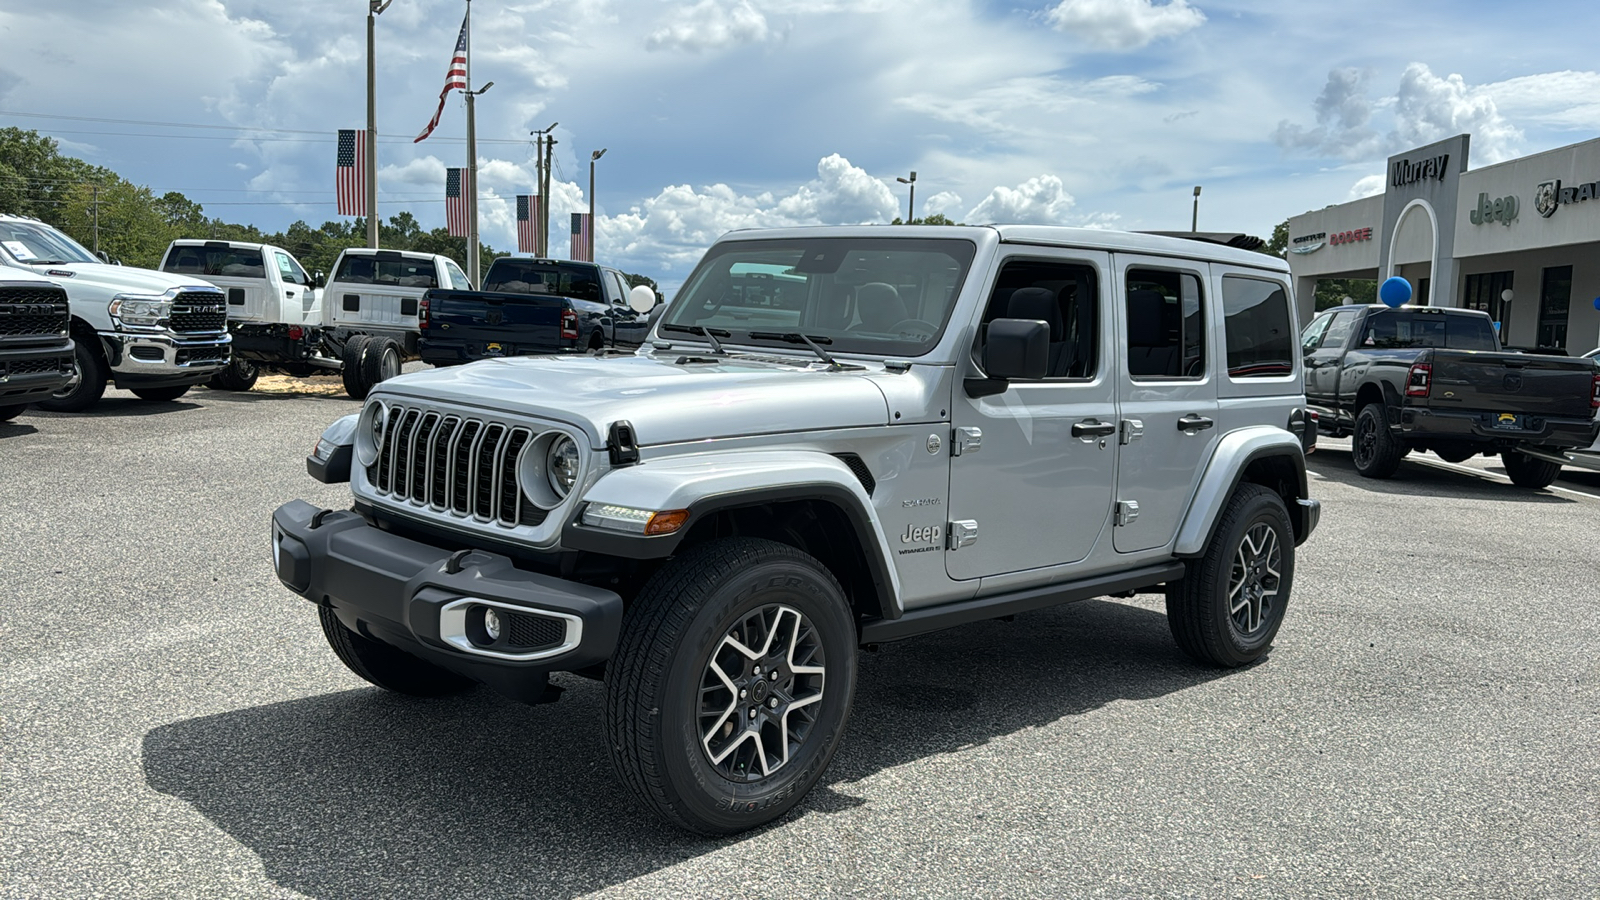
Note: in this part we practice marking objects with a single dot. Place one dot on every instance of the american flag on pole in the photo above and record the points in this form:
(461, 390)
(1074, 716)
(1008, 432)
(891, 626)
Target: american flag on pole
(527, 216)
(582, 238)
(456, 187)
(455, 79)
(350, 172)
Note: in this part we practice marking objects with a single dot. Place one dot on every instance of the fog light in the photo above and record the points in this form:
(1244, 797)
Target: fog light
(491, 624)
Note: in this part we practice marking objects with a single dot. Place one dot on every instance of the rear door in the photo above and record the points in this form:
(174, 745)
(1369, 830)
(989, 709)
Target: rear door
(1167, 389)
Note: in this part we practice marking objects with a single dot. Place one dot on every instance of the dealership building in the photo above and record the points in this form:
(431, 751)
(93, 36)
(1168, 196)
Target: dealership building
(1519, 240)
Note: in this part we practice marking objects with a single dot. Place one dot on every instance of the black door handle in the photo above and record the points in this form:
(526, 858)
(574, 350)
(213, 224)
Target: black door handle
(1093, 428)
(1192, 422)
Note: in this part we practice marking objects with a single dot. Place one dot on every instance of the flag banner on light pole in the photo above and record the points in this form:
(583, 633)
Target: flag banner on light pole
(456, 188)
(454, 79)
(527, 223)
(582, 238)
(350, 172)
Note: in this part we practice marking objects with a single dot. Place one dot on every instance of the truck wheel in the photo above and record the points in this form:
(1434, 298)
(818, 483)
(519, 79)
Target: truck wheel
(240, 375)
(731, 684)
(1226, 610)
(7, 413)
(381, 362)
(1525, 471)
(1373, 449)
(87, 386)
(355, 350)
(161, 395)
(388, 667)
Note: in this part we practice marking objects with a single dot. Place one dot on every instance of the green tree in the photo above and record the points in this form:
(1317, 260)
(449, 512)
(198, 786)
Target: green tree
(1279, 244)
(935, 219)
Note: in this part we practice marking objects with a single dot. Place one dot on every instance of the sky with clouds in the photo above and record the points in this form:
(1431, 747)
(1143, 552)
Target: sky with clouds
(725, 114)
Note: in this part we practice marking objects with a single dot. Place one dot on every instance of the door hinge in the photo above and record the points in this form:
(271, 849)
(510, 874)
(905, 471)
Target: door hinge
(1127, 511)
(963, 533)
(1132, 430)
(966, 440)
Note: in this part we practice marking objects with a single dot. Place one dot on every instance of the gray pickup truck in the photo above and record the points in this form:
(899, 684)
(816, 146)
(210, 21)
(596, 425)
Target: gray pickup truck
(925, 427)
(1426, 378)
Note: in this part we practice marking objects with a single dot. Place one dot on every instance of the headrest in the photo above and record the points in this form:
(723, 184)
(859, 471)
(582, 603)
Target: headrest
(879, 306)
(1037, 303)
(1147, 312)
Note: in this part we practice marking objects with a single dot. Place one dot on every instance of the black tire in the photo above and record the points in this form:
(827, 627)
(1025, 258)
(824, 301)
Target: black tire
(7, 413)
(355, 351)
(162, 394)
(663, 701)
(381, 362)
(1199, 611)
(88, 383)
(388, 667)
(1525, 471)
(1373, 448)
(239, 375)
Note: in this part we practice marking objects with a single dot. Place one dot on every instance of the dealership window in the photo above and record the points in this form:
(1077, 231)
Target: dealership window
(1166, 325)
(1423, 284)
(1256, 326)
(1555, 294)
(1483, 293)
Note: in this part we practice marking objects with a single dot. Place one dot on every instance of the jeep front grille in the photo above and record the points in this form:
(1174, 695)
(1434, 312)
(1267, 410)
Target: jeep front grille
(198, 312)
(33, 312)
(460, 466)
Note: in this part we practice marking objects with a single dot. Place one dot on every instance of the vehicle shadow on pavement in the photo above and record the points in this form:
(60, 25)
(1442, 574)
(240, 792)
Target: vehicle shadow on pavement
(363, 793)
(14, 429)
(122, 408)
(1422, 480)
(275, 396)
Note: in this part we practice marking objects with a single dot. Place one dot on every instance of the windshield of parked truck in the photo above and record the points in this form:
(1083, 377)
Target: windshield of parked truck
(220, 260)
(391, 271)
(37, 244)
(882, 296)
(1391, 329)
(538, 276)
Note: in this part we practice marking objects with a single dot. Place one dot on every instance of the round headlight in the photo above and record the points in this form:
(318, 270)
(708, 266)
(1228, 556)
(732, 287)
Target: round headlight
(369, 432)
(561, 464)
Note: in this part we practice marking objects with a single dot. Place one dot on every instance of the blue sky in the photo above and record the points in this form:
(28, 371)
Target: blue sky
(725, 114)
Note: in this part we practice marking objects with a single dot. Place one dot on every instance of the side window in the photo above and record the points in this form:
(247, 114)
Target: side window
(290, 272)
(1339, 331)
(1256, 328)
(458, 278)
(620, 287)
(1065, 295)
(1311, 336)
(1166, 325)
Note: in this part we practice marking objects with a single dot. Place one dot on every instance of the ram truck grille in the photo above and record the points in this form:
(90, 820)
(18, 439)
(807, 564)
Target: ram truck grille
(198, 313)
(33, 312)
(464, 467)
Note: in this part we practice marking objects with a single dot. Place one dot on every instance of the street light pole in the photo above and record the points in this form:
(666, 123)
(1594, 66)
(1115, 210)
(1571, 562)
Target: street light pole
(1194, 223)
(374, 9)
(593, 157)
(911, 202)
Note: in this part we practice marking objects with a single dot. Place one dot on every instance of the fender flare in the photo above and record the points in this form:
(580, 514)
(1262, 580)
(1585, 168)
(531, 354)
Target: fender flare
(712, 482)
(1223, 473)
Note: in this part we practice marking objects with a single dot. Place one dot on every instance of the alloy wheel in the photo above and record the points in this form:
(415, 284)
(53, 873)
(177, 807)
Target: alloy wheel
(760, 692)
(1255, 579)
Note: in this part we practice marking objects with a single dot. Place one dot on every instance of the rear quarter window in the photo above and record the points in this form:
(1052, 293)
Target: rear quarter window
(387, 272)
(1257, 327)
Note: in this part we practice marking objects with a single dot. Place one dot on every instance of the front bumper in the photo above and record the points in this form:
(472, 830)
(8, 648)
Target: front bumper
(30, 374)
(430, 602)
(159, 360)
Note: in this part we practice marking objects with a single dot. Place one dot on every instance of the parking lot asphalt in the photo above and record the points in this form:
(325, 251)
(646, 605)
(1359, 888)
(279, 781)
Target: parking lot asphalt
(175, 726)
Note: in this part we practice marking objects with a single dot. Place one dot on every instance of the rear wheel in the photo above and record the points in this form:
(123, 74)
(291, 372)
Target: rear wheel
(87, 385)
(388, 667)
(1525, 471)
(161, 395)
(7, 413)
(355, 350)
(382, 361)
(1373, 448)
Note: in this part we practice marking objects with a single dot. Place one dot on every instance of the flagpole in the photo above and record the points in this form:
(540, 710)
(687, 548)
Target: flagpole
(472, 164)
(374, 9)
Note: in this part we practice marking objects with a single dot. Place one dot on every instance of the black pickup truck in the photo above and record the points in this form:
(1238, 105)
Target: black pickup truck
(1425, 378)
(531, 306)
(36, 353)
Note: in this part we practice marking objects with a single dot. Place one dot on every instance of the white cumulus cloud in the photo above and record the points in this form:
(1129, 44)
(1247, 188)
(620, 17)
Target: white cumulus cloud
(1430, 108)
(1123, 24)
(1041, 200)
(711, 25)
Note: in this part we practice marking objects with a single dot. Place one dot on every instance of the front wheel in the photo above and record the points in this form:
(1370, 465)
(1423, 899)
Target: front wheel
(731, 684)
(87, 385)
(1525, 471)
(239, 375)
(1226, 609)
(7, 413)
(388, 667)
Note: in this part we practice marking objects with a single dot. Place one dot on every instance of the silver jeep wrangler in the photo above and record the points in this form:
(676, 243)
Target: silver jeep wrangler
(835, 437)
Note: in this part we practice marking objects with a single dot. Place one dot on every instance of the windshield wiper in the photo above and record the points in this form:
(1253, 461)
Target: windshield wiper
(710, 334)
(815, 343)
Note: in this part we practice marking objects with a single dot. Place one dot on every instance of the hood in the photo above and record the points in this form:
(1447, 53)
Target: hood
(666, 402)
(122, 279)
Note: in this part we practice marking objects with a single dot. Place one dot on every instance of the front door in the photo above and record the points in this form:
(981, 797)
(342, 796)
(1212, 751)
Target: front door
(1168, 392)
(1322, 363)
(1031, 486)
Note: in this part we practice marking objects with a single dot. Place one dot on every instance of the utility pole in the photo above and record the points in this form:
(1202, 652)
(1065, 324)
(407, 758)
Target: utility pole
(472, 160)
(1194, 222)
(541, 187)
(544, 192)
(374, 9)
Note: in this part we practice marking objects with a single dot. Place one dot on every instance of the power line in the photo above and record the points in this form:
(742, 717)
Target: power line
(245, 128)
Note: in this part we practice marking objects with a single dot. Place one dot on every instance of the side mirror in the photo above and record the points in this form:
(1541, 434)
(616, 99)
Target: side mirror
(104, 257)
(1014, 349)
(319, 279)
(641, 299)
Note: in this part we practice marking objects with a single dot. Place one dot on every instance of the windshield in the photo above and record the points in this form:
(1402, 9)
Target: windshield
(396, 271)
(219, 260)
(527, 276)
(1454, 331)
(36, 243)
(883, 296)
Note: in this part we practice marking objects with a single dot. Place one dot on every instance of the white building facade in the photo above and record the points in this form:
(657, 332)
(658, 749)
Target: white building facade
(1519, 240)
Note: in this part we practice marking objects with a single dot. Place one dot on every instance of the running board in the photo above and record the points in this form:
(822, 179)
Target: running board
(936, 618)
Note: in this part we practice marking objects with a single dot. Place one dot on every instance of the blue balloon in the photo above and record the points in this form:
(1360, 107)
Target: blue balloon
(1394, 291)
(1597, 303)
